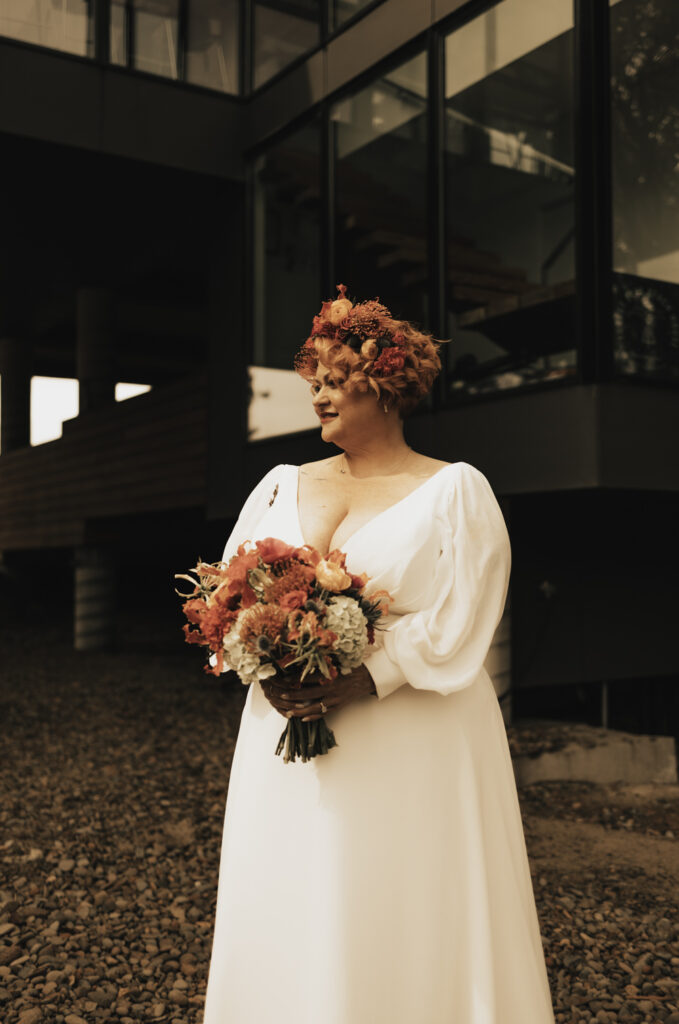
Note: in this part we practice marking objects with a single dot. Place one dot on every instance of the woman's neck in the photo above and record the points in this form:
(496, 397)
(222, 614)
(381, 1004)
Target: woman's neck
(376, 457)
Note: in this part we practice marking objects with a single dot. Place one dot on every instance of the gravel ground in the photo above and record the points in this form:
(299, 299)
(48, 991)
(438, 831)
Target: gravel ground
(113, 779)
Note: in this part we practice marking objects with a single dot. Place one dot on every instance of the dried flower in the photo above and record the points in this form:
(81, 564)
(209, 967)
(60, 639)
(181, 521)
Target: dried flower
(262, 620)
(332, 576)
(389, 361)
(338, 310)
(272, 550)
(294, 577)
(345, 618)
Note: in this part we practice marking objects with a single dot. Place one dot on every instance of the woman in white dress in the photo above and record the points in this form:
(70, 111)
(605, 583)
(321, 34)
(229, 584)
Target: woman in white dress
(387, 881)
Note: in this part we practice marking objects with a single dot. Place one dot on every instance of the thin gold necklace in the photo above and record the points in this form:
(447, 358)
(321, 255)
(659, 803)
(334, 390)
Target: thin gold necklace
(343, 457)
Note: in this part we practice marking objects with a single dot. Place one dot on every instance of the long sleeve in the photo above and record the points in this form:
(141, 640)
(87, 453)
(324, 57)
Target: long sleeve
(443, 647)
(252, 511)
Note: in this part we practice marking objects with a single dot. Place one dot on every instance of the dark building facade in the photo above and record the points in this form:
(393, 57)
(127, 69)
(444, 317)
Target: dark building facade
(188, 179)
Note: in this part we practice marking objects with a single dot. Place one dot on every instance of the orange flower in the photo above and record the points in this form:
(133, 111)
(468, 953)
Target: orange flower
(214, 623)
(193, 636)
(308, 555)
(240, 565)
(326, 637)
(332, 576)
(384, 602)
(301, 623)
(273, 550)
(358, 582)
(293, 599)
(194, 609)
(261, 628)
(295, 577)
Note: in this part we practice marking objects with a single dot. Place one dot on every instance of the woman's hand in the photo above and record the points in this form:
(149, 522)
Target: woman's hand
(305, 702)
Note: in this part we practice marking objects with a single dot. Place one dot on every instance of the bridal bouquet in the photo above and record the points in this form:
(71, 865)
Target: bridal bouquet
(274, 609)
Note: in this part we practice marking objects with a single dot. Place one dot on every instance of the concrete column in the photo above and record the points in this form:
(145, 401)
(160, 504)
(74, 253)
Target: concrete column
(15, 370)
(95, 326)
(95, 598)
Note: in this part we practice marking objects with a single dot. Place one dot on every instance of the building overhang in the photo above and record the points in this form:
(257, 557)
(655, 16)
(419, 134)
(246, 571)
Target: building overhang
(75, 101)
(619, 435)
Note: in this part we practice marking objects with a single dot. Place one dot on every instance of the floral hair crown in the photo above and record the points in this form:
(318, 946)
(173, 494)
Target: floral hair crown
(340, 320)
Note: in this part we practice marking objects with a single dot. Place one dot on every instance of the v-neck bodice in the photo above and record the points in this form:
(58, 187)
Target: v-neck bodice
(405, 549)
(432, 550)
(394, 507)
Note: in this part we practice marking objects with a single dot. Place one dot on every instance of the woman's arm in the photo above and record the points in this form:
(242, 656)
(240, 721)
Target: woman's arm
(443, 646)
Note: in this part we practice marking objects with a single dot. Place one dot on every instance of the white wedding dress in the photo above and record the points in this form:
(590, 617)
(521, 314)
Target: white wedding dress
(386, 882)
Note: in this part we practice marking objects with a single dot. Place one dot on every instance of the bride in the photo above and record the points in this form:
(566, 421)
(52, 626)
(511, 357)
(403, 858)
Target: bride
(387, 881)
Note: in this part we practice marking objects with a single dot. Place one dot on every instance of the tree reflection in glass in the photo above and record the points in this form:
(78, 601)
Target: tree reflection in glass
(645, 154)
(509, 197)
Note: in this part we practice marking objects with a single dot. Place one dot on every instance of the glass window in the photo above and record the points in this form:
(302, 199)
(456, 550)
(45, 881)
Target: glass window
(59, 24)
(283, 31)
(381, 191)
(509, 197)
(645, 170)
(212, 44)
(342, 10)
(286, 279)
(120, 12)
(154, 33)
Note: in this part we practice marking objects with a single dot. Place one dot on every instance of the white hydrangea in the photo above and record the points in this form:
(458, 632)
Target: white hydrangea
(345, 618)
(237, 657)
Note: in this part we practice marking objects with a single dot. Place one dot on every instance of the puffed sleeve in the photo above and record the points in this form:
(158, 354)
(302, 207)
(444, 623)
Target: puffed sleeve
(443, 647)
(256, 504)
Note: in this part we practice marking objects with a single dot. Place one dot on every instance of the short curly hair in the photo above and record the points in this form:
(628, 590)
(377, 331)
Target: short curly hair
(370, 350)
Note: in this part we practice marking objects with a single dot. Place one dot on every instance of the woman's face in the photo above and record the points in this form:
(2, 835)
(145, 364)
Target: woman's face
(344, 414)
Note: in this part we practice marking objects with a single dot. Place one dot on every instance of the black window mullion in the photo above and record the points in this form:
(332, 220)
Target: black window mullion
(129, 34)
(182, 38)
(593, 191)
(102, 30)
(436, 241)
(247, 43)
(249, 257)
(328, 167)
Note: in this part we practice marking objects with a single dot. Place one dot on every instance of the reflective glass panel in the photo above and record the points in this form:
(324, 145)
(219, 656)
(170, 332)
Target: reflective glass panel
(286, 279)
(118, 32)
(342, 10)
(155, 36)
(509, 197)
(59, 24)
(212, 44)
(645, 168)
(381, 191)
(283, 31)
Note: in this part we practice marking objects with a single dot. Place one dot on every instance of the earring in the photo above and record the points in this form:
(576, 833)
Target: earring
(385, 407)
